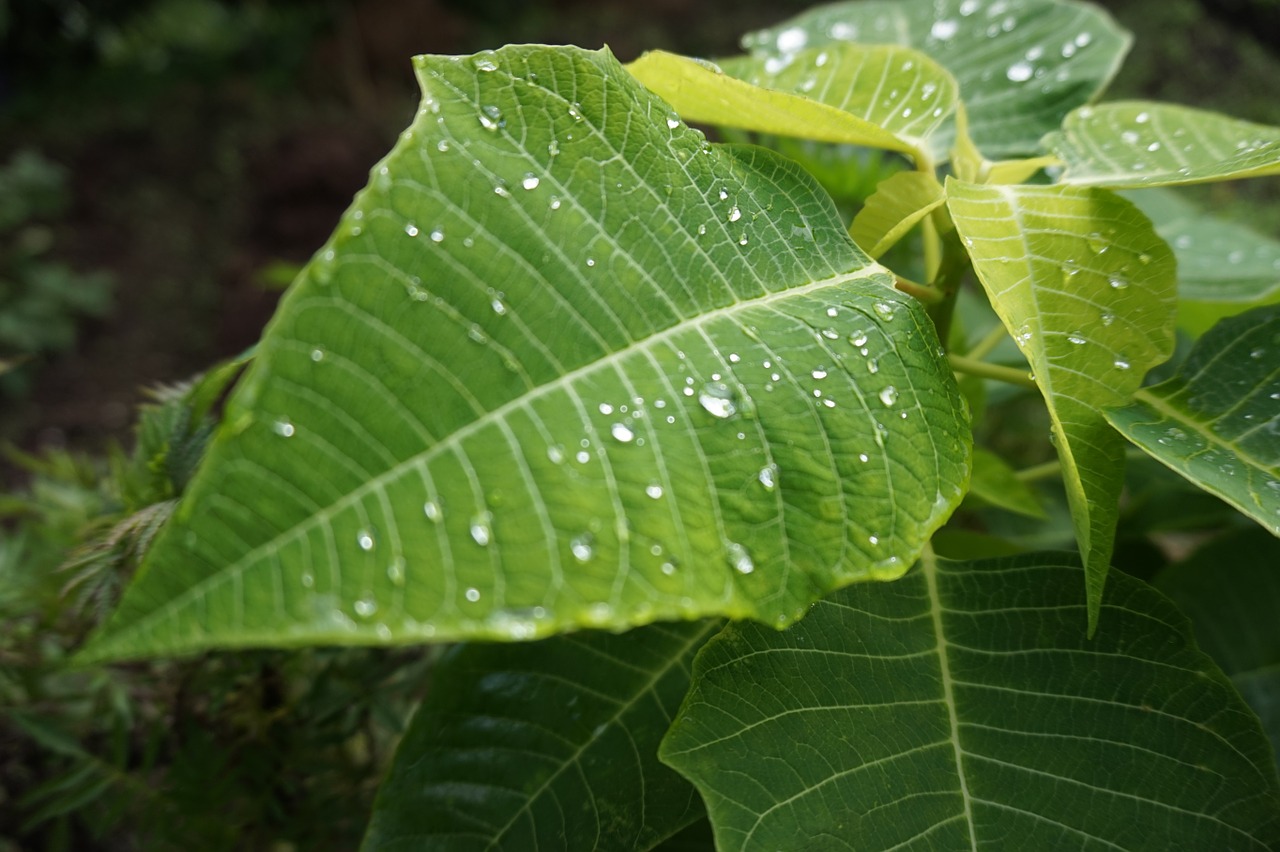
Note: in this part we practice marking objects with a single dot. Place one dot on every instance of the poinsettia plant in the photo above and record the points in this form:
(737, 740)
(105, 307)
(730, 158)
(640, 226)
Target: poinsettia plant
(700, 418)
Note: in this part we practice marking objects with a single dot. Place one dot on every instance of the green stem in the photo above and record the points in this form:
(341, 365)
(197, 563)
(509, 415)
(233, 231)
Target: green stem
(984, 346)
(973, 367)
(927, 295)
(1035, 473)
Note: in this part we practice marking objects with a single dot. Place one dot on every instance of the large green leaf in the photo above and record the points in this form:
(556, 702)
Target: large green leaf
(897, 205)
(881, 96)
(1021, 64)
(1217, 422)
(545, 745)
(1139, 143)
(963, 708)
(1087, 289)
(563, 364)
(1223, 267)
(1230, 589)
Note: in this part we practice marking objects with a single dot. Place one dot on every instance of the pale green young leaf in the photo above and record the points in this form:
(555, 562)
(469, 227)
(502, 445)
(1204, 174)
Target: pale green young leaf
(546, 745)
(994, 482)
(1224, 268)
(1021, 64)
(879, 96)
(563, 364)
(963, 708)
(1087, 289)
(1217, 422)
(897, 206)
(1140, 143)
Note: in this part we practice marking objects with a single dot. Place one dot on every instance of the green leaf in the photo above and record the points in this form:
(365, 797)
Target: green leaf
(1223, 267)
(1086, 288)
(897, 206)
(1140, 143)
(561, 365)
(1230, 590)
(1021, 64)
(997, 484)
(963, 708)
(880, 96)
(545, 745)
(1217, 422)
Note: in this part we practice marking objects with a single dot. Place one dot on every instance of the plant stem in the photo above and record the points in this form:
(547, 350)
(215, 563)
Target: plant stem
(927, 295)
(973, 367)
(984, 346)
(1037, 472)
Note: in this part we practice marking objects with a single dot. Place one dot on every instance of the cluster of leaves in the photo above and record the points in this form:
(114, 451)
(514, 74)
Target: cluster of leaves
(567, 371)
(40, 300)
(252, 749)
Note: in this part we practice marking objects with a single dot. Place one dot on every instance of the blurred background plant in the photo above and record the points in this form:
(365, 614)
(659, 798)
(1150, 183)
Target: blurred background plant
(195, 153)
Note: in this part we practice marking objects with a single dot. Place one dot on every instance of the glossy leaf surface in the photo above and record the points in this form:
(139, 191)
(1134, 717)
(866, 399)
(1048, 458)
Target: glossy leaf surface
(563, 364)
(962, 707)
(1021, 64)
(545, 745)
(1224, 268)
(1087, 290)
(876, 95)
(1140, 143)
(1217, 422)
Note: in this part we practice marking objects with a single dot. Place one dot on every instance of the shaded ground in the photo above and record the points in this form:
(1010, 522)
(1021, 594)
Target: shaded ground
(188, 186)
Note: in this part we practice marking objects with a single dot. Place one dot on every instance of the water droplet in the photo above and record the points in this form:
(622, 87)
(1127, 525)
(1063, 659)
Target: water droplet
(433, 511)
(1121, 364)
(591, 261)
(724, 194)
(307, 579)
(317, 355)
(283, 428)
(530, 181)
(1077, 338)
(483, 61)
(481, 532)
(364, 539)
(1118, 282)
(365, 607)
(873, 539)
(1020, 72)
(820, 373)
(1097, 244)
(442, 146)
(499, 306)
(718, 400)
(491, 118)
(653, 491)
(791, 39)
(622, 432)
(739, 558)
(473, 594)
(889, 395)
(411, 229)
(1108, 318)
(583, 547)
(944, 29)
(884, 310)
(873, 365)
(735, 214)
(858, 338)
(768, 476)
(673, 121)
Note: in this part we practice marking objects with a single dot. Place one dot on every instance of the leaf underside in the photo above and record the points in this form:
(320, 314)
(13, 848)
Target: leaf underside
(962, 708)
(563, 364)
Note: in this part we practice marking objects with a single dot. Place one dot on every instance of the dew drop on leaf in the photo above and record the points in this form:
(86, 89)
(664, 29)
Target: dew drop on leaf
(889, 395)
(622, 432)
(481, 532)
(653, 491)
(433, 511)
(739, 558)
(364, 539)
(583, 547)
(718, 400)
(768, 476)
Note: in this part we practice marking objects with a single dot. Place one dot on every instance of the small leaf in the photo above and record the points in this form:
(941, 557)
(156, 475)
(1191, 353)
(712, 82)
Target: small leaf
(1021, 64)
(1223, 267)
(897, 205)
(995, 482)
(1140, 143)
(880, 96)
(1217, 422)
(963, 708)
(546, 745)
(563, 365)
(1086, 288)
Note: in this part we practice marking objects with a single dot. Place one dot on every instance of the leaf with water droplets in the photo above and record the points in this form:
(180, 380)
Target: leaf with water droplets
(1056, 263)
(1021, 65)
(1129, 144)
(591, 450)
(585, 713)
(1217, 422)
(880, 96)
(963, 708)
(1224, 268)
